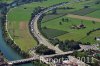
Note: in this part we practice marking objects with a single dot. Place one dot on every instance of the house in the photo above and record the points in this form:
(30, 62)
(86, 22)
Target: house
(81, 26)
(98, 38)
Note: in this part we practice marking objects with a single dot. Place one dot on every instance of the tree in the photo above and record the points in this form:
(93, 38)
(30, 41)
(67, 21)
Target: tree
(67, 20)
(45, 27)
(63, 19)
(60, 23)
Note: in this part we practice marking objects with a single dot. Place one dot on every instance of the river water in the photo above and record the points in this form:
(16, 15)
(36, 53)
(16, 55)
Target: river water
(8, 52)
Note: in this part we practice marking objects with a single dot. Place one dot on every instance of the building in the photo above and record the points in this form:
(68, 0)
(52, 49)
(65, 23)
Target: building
(98, 38)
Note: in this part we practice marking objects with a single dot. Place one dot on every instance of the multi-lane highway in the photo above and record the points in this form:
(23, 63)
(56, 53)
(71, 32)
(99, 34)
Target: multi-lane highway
(35, 30)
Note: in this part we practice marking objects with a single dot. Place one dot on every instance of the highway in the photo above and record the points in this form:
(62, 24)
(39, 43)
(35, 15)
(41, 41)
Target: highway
(35, 30)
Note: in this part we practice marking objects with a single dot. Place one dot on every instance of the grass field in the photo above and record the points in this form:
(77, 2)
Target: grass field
(7, 1)
(18, 23)
(74, 34)
(95, 13)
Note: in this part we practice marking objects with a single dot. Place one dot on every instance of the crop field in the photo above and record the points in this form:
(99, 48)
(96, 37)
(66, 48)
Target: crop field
(18, 19)
(84, 11)
(95, 14)
(52, 33)
(74, 34)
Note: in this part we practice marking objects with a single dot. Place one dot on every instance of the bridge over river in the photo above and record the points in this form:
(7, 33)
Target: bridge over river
(39, 58)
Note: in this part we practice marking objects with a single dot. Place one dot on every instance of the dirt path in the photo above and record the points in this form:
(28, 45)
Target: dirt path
(84, 17)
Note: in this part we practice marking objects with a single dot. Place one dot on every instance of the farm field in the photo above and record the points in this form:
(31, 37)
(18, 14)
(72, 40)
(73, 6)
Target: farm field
(74, 34)
(76, 8)
(95, 13)
(52, 33)
(18, 19)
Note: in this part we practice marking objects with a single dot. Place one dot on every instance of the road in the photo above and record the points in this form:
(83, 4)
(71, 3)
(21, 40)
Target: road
(35, 31)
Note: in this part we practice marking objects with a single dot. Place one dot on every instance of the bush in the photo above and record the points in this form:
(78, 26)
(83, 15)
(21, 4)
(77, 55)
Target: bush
(69, 45)
(44, 50)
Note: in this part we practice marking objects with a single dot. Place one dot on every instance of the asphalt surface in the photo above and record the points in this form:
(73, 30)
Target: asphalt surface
(35, 30)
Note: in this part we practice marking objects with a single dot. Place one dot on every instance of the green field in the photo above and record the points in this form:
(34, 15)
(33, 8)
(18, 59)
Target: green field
(18, 23)
(74, 34)
(95, 13)
(7, 1)
(52, 33)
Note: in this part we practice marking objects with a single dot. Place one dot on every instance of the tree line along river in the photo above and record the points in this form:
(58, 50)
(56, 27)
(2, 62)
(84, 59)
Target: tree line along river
(8, 52)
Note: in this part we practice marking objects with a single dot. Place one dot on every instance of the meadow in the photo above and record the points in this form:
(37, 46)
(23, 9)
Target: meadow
(96, 13)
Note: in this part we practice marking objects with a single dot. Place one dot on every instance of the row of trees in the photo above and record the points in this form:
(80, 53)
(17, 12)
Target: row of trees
(92, 31)
(69, 45)
(66, 45)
